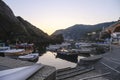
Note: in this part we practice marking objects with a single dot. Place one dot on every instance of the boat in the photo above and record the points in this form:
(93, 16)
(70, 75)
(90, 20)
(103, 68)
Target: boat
(71, 58)
(82, 48)
(115, 38)
(66, 52)
(7, 51)
(82, 44)
(4, 48)
(33, 57)
(53, 47)
(11, 52)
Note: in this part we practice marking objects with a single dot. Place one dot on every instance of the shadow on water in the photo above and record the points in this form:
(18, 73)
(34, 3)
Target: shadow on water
(73, 59)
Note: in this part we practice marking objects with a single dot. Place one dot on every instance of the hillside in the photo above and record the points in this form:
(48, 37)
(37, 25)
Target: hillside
(12, 27)
(80, 31)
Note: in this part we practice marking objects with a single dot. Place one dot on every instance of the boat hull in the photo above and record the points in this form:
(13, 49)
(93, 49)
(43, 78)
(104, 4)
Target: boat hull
(30, 57)
(71, 58)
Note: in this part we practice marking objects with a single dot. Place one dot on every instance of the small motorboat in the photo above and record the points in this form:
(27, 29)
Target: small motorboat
(10, 52)
(67, 53)
(33, 57)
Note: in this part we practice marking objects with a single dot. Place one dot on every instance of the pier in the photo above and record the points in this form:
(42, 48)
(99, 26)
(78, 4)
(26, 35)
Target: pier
(44, 73)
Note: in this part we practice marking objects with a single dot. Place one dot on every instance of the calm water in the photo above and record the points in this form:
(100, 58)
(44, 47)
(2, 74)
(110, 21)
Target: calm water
(52, 59)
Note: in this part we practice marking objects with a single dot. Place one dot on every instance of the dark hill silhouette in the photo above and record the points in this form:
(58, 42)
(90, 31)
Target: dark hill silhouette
(80, 31)
(12, 27)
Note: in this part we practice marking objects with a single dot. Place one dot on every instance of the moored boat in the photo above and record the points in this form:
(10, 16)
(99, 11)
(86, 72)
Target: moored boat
(53, 47)
(10, 52)
(81, 50)
(71, 58)
(66, 52)
(33, 57)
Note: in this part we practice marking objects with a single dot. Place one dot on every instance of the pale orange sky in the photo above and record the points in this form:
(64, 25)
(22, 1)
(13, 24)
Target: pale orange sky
(51, 15)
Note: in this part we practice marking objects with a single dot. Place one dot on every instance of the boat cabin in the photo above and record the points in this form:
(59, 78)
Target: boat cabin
(116, 37)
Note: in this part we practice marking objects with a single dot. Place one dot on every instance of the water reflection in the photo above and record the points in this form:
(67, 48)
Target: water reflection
(58, 61)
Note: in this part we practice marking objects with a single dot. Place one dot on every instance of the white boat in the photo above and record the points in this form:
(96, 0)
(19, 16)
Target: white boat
(81, 44)
(30, 57)
(11, 52)
(4, 48)
(115, 37)
(63, 51)
(82, 47)
(66, 52)
(14, 50)
(6, 51)
(58, 46)
(53, 47)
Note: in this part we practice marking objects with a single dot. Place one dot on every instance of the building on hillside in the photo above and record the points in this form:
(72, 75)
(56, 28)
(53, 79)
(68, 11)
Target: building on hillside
(114, 32)
(114, 28)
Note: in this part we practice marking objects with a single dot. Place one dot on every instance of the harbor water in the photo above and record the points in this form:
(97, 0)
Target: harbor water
(53, 59)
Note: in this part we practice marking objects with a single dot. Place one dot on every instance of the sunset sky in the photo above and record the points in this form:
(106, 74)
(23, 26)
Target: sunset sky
(51, 15)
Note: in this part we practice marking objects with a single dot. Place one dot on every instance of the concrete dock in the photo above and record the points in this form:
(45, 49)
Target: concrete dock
(45, 73)
(100, 67)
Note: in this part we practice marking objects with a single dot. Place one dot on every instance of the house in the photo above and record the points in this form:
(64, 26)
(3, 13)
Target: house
(114, 31)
